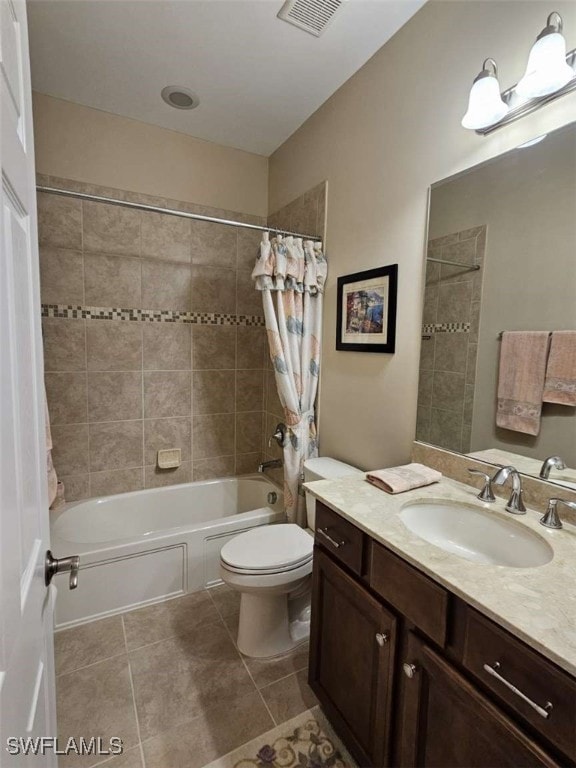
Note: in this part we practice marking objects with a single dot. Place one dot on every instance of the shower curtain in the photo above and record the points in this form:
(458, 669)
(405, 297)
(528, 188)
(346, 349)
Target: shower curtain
(293, 274)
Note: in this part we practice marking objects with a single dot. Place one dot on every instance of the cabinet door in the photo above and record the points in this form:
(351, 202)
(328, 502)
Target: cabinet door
(448, 723)
(351, 660)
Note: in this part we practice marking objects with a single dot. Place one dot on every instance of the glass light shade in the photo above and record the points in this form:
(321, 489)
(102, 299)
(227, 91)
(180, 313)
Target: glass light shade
(547, 70)
(485, 105)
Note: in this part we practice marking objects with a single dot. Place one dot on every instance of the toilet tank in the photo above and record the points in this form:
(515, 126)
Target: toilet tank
(323, 468)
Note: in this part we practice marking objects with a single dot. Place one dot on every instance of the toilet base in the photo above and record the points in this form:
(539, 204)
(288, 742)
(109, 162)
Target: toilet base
(271, 625)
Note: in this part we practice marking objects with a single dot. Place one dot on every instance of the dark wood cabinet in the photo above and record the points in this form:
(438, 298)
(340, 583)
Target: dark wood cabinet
(405, 669)
(352, 660)
(447, 723)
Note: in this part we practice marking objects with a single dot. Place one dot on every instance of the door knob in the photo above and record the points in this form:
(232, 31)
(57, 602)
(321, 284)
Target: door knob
(382, 638)
(409, 670)
(53, 565)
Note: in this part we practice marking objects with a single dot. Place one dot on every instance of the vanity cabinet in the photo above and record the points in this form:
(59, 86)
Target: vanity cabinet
(399, 664)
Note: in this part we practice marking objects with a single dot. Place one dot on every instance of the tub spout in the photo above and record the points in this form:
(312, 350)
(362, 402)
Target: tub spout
(273, 464)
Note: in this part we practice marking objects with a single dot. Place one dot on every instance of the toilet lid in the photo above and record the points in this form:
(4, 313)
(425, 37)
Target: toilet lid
(269, 547)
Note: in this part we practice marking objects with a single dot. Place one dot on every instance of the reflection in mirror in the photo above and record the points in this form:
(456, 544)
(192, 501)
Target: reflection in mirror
(511, 224)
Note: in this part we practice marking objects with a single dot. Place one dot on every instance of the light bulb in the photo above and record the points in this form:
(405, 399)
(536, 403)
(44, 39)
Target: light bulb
(547, 70)
(485, 105)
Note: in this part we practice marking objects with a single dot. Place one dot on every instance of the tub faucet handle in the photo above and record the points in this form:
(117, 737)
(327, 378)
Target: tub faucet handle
(279, 435)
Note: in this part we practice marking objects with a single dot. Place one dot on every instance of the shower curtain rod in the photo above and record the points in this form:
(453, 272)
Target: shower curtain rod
(172, 212)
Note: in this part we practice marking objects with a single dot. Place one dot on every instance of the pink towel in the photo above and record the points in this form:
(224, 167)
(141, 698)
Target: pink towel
(560, 384)
(405, 478)
(523, 357)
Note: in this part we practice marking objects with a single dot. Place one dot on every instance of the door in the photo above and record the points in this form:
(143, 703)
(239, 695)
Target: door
(352, 646)
(447, 723)
(26, 655)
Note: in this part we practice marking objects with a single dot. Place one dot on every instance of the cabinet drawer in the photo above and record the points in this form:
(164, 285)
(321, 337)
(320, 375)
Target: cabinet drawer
(537, 691)
(417, 597)
(339, 537)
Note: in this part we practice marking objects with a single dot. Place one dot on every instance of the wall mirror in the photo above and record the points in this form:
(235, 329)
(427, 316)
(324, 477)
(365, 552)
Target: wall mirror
(511, 223)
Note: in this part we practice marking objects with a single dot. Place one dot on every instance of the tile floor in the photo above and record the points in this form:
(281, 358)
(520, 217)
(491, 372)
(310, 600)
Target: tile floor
(169, 681)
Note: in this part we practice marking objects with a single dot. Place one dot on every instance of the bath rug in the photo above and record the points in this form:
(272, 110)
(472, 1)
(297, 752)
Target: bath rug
(306, 741)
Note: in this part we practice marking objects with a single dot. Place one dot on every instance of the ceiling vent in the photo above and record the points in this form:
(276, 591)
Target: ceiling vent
(312, 16)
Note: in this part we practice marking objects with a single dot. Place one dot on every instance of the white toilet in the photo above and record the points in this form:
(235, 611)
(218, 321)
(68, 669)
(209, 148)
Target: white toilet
(271, 566)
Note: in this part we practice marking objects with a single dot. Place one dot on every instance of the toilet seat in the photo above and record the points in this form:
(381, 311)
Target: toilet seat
(268, 549)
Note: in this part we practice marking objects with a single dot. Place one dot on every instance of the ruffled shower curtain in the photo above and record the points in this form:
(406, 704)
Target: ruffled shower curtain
(294, 272)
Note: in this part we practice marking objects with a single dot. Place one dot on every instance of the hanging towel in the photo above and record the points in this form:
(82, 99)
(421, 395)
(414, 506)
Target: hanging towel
(405, 478)
(560, 384)
(523, 357)
(50, 471)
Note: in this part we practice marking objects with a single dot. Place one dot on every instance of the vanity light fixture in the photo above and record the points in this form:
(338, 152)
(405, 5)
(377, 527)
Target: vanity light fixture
(550, 73)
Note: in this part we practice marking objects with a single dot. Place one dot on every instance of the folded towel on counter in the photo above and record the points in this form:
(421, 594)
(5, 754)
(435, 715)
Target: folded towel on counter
(405, 478)
(523, 357)
(560, 384)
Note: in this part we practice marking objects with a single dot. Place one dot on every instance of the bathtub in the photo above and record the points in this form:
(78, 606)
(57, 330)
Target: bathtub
(142, 547)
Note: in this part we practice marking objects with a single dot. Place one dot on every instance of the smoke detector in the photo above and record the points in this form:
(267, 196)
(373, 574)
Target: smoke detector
(312, 16)
(179, 97)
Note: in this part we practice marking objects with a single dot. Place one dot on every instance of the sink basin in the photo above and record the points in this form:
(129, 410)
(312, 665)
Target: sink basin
(476, 535)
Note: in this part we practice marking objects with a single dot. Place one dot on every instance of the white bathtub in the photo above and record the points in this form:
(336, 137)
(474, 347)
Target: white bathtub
(143, 547)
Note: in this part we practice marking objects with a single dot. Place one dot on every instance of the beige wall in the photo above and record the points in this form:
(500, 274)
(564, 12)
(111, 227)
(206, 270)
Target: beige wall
(380, 141)
(88, 145)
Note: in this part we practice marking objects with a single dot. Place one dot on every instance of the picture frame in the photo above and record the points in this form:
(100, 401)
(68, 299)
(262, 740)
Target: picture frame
(366, 310)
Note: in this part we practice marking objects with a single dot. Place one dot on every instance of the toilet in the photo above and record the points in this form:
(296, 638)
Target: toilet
(271, 567)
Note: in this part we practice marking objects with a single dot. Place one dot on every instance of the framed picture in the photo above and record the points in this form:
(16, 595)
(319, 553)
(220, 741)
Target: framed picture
(366, 313)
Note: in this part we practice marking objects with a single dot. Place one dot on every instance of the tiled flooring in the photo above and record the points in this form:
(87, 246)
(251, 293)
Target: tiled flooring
(169, 681)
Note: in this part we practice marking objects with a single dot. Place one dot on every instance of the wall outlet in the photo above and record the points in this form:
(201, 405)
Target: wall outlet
(170, 458)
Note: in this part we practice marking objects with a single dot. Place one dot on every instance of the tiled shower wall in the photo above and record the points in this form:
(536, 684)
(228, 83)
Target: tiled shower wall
(182, 366)
(306, 214)
(450, 340)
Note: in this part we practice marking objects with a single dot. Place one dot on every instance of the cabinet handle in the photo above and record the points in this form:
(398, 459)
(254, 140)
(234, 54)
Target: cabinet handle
(382, 638)
(542, 711)
(409, 670)
(336, 544)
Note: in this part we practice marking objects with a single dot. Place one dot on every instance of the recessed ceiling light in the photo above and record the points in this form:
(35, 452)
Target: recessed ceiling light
(179, 97)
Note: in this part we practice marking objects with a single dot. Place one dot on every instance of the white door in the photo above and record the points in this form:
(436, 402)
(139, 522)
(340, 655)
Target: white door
(27, 707)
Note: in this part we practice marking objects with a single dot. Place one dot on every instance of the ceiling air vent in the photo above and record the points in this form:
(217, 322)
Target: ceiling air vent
(312, 16)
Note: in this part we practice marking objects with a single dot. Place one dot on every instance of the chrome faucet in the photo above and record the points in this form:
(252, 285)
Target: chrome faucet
(486, 494)
(552, 462)
(551, 518)
(515, 503)
(272, 464)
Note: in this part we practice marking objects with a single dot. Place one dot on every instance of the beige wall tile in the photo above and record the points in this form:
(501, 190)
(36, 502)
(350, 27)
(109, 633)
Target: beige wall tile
(448, 391)
(70, 449)
(76, 487)
(114, 345)
(213, 244)
(80, 646)
(166, 346)
(167, 394)
(156, 478)
(114, 396)
(248, 432)
(61, 276)
(249, 300)
(454, 301)
(160, 434)
(446, 428)
(213, 391)
(116, 445)
(252, 346)
(249, 390)
(248, 249)
(165, 286)
(111, 229)
(218, 466)
(116, 481)
(112, 281)
(59, 221)
(272, 400)
(67, 397)
(213, 435)
(213, 290)
(64, 344)
(166, 238)
(247, 463)
(213, 346)
(451, 352)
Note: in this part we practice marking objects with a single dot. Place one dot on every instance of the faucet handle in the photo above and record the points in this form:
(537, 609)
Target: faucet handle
(551, 519)
(279, 435)
(486, 494)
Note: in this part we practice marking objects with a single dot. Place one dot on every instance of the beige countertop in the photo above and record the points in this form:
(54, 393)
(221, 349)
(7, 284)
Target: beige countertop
(538, 605)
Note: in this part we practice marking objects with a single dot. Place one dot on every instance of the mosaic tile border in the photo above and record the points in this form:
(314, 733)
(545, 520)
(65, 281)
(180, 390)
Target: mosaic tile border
(446, 328)
(70, 312)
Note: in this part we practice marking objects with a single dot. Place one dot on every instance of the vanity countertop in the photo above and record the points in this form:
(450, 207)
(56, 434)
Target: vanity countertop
(537, 605)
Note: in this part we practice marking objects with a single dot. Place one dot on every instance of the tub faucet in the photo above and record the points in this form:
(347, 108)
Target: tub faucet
(552, 462)
(272, 464)
(515, 503)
